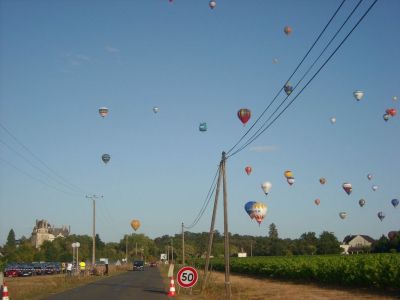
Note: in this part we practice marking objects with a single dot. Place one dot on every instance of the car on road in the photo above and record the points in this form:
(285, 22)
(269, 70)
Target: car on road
(153, 264)
(12, 270)
(138, 265)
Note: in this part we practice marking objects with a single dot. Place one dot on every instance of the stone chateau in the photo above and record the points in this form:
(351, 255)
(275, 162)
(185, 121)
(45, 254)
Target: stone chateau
(43, 231)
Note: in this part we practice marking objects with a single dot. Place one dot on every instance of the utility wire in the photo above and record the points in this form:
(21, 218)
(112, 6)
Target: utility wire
(206, 201)
(306, 85)
(72, 186)
(57, 181)
(301, 79)
(34, 178)
(290, 77)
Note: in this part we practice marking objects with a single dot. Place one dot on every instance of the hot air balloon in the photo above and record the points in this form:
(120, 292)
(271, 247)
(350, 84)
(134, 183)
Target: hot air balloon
(333, 120)
(369, 176)
(361, 202)
(391, 111)
(290, 180)
(386, 117)
(248, 170)
(248, 207)
(317, 201)
(287, 30)
(374, 187)
(322, 180)
(135, 224)
(381, 215)
(259, 211)
(155, 109)
(106, 158)
(392, 235)
(203, 127)
(394, 98)
(266, 186)
(342, 215)
(288, 174)
(103, 111)
(347, 188)
(275, 60)
(244, 115)
(288, 88)
(212, 4)
(395, 202)
(358, 95)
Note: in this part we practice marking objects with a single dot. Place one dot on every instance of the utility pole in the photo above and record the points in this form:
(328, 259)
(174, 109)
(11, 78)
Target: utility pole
(94, 197)
(226, 231)
(126, 248)
(211, 235)
(172, 247)
(251, 248)
(183, 246)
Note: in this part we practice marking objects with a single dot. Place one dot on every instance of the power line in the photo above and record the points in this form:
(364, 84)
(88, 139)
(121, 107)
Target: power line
(306, 85)
(72, 186)
(206, 201)
(290, 77)
(36, 179)
(36, 167)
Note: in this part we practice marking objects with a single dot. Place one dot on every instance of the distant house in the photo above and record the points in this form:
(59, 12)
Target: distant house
(356, 244)
(43, 231)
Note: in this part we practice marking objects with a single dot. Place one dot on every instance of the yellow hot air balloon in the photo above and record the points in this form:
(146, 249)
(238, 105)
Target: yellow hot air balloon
(288, 174)
(135, 224)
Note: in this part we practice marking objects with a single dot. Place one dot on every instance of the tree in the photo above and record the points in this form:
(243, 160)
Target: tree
(328, 244)
(11, 244)
(381, 245)
(273, 231)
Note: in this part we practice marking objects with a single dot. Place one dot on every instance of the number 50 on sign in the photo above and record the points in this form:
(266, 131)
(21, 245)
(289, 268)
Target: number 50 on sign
(187, 277)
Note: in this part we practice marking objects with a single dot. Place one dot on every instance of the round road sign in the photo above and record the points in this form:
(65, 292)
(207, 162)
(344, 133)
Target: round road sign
(187, 277)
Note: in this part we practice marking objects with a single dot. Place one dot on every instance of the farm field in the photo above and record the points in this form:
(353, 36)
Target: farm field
(381, 271)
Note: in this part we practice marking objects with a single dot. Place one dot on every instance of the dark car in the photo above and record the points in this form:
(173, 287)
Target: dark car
(138, 265)
(26, 270)
(50, 269)
(39, 268)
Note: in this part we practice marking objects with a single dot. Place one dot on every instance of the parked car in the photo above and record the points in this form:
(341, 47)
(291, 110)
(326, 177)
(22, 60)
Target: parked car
(138, 265)
(50, 269)
(39, 268)
(12, 270)
(26, 270)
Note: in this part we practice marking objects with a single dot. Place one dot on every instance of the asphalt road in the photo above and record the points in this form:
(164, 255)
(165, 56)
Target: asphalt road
(147, 284)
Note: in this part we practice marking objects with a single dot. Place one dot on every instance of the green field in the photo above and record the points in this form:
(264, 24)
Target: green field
(366, 270)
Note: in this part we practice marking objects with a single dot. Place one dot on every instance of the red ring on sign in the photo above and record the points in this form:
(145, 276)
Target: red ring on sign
(190, 284)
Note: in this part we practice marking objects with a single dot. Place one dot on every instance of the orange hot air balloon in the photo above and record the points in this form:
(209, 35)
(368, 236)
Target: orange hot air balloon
(244, 115)
(248, 170)
(135, 224)
(317, 201)
(288, 30)
(288, 174)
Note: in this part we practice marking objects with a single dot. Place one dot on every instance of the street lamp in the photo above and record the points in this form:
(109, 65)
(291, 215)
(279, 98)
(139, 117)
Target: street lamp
(76, 245)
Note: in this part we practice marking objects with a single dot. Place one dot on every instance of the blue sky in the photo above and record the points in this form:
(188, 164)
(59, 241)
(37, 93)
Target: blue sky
(61, 60)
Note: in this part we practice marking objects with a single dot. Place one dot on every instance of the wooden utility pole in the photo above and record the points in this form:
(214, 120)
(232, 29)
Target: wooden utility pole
(226, 231)
(126, 248)
(183, 245)
(93, 197)
(172, 247)
(94, 234)
(211, 235)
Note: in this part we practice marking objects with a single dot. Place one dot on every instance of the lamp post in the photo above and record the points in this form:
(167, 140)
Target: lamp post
(76, 245)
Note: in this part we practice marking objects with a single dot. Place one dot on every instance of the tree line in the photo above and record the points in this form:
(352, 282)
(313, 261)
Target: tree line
(141, 246)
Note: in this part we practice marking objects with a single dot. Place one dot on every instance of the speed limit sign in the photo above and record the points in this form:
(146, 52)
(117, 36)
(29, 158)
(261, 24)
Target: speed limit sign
(187, 277)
